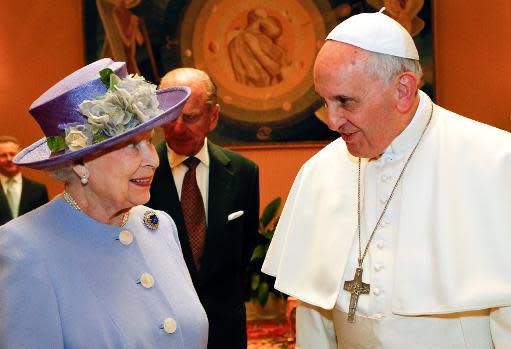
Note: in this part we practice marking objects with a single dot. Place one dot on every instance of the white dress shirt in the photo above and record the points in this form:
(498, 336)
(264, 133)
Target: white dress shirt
(17, 186)
(179, 170)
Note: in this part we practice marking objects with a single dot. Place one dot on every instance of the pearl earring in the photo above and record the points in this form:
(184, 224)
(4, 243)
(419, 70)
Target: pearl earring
(84, 179)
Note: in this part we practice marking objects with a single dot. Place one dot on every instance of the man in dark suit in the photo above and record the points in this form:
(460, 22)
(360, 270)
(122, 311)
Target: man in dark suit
(217, 252)
(19, 194)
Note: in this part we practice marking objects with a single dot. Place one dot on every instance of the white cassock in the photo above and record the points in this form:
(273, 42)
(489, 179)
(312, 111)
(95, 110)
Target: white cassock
(439, 265)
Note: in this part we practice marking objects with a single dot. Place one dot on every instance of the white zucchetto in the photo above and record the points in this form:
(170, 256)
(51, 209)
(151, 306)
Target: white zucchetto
(375, 32)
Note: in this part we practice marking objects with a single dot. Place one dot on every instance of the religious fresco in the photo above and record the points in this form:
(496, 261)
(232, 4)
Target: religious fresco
(260, 54)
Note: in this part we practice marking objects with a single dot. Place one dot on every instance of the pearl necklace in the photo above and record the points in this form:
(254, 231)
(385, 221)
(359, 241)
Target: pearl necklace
(69, 199)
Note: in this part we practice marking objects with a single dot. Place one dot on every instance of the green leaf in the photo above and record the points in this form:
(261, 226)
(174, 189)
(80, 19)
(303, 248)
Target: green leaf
(262, 294)
(268, 235)
(114, 80)
(254, 284)
(99, 138)
(259, 252)
(104, 75)
(270, 211)
(56, 143)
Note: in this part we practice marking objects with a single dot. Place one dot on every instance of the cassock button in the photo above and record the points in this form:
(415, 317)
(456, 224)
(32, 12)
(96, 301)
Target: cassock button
(169, 325)
(146, 280)
(376, 291)
(380, 245)
(385, 178)
(125, 237)
(378, 267)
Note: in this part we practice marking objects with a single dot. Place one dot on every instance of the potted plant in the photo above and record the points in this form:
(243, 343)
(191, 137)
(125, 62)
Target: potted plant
(265, 300)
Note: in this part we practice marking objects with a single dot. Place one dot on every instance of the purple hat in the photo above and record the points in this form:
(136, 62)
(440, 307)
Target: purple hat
(81, 106)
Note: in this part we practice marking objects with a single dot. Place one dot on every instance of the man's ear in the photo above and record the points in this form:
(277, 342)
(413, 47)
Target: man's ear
(406, 91)
(213, 117)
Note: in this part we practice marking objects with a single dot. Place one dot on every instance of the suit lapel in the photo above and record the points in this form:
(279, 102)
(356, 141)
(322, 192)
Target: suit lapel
(166, 198)
(26, 196)
(5, 211)
(220, 193)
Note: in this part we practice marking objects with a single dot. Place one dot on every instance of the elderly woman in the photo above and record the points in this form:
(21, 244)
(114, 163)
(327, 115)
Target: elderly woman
(93, 268)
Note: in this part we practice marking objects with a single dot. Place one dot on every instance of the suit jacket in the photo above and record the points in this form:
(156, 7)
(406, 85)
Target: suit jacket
(233, 186)
(33, 195)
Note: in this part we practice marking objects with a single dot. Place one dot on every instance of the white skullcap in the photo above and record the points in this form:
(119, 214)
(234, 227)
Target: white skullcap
(376, 32)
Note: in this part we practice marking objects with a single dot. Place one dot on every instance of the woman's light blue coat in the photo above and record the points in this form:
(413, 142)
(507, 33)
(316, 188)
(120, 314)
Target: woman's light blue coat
(67, 282)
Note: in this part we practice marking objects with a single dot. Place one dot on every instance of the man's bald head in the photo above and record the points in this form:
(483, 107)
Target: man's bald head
(187, 77)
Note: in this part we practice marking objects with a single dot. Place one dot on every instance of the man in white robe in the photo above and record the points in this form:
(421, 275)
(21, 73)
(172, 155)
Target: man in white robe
(433, 210)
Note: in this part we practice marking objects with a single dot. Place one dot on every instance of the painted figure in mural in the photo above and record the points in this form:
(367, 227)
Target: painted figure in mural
(125, 33)
(129, 29)
(256, 57)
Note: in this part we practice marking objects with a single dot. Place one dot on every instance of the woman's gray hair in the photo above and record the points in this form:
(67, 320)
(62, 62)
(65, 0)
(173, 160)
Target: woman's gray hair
(63, 173)
(388, 67)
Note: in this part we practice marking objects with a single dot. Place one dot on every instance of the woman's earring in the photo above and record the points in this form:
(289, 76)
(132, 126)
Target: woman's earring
(84, 179)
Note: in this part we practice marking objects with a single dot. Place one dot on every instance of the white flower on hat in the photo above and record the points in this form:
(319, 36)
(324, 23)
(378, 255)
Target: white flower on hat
(138, 97)
(128, 103)
(77, 137)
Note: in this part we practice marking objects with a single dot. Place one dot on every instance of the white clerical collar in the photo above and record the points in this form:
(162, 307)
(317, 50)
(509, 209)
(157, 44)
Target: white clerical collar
(411, 134)
(176, 159)
(16, 179)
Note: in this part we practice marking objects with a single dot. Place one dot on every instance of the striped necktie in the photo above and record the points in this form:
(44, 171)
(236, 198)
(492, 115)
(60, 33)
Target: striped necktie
(193, 210)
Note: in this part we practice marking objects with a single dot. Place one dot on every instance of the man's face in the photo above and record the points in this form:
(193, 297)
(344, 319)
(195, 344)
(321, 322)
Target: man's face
(360, 105)
(185, 135)
(7, 152)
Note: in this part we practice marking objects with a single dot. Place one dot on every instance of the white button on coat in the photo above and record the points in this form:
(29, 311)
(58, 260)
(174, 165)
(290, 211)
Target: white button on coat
(146, 280)
(380, 245)
(125, 237)
(169, 325)
(376, 291)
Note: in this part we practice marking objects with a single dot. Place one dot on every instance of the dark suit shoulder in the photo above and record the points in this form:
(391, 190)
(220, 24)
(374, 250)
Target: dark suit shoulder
(161, 148)
(237, 159)
(33, 183)
(35, 191)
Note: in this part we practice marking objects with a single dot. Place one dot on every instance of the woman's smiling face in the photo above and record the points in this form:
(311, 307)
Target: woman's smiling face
(121, 178)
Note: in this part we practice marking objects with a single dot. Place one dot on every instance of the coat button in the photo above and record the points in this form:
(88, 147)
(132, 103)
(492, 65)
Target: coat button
(169, 325)
(380, 245)
(376, 291)
(146, 280)
(125, 237)
(378, 267)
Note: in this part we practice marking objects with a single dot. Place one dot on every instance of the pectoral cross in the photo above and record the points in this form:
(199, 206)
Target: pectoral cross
(356, 287)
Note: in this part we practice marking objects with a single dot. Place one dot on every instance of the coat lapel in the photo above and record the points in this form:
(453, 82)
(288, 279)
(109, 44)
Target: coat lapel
(5, 212)
(220, 194)
(26, 196)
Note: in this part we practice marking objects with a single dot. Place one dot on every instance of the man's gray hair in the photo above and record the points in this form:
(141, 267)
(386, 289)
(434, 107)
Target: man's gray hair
(9, 139)
(388, 67)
